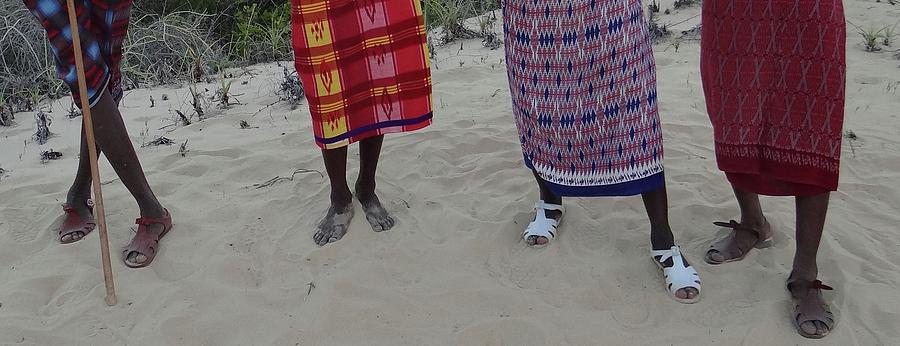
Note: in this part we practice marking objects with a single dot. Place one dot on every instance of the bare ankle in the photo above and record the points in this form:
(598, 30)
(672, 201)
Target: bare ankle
(759, 224)
(341, 199)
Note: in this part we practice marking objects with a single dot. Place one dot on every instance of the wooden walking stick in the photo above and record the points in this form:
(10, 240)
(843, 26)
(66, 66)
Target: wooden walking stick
(92, 154)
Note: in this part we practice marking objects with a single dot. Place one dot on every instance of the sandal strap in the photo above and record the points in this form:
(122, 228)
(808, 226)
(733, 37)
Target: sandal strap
(68, 209)
(542, 226)
(677, 276)
(737, 227)
(541, 205)
(147, 221)
(809, 285)
(822, 315)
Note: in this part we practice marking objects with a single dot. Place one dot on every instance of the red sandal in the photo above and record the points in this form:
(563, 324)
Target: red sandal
(74, 223)
(144, 242)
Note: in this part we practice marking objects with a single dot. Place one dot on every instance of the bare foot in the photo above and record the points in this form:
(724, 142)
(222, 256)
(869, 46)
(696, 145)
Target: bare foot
(745, 237)
(812, 315)
(335, 224)
(377, 216)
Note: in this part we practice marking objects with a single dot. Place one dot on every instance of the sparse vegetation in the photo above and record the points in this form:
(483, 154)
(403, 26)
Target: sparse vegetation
(291, 88)
(169, 41)
(871, 38)
(657, 31)
(198, 102)
(42, 127)
(223, 95)
(853, 141)
(74, 112)
(6, 114)
(684, 3)
(451, 15)
(890, 32)
(653, 7)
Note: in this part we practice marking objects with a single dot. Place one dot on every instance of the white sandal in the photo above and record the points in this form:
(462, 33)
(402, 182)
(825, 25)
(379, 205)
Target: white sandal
(542, 226)
(677, 276)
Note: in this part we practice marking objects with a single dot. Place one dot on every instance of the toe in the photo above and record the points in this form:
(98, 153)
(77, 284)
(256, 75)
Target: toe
(687, 293)
(336, 234)
(321, 237)
(809, 328)
(531, 240)
(821, 328)
(714, 256)
(387, 223)
(541, 241)
(136, 258)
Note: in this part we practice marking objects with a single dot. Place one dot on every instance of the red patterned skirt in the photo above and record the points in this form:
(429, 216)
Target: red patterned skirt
(774, 74)
(102, 26)
(364, 67)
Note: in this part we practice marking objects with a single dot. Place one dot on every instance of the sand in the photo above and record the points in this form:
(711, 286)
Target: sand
(240, 267)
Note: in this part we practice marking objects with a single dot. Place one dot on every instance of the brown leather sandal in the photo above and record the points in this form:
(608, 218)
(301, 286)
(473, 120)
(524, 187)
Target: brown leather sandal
(144, 242)
(74, 224)
(811, 308)
(722, 246)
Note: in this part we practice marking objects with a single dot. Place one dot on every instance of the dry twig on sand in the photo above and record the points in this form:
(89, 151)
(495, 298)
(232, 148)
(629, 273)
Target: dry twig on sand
(183, 150)
(245, 125)
(853, 140)
(197, 103)
(74, 112)
(159, 141)
(50, 155)
(184, 119)
(279, 179)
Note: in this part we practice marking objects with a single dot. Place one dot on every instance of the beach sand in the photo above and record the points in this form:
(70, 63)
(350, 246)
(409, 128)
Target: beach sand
(240, 267)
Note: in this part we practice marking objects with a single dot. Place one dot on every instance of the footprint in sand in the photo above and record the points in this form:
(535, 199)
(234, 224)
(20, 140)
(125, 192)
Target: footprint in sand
(431, 208)
(513, 262)
(631, 295)
(724, 313)
(23, 223)
(502, 332)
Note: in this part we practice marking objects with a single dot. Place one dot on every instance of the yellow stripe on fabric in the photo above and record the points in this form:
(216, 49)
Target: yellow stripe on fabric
(339, 144)
(332, 107)
(418, 5)
(318, 53)
(320, 6)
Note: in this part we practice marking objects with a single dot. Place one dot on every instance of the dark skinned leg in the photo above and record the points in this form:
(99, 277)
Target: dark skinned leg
(811, 212)
(752, 218)
(337, 220)
(369, 153)
(80, 191)
(661, 238)
(113, 141)
(548, 196)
